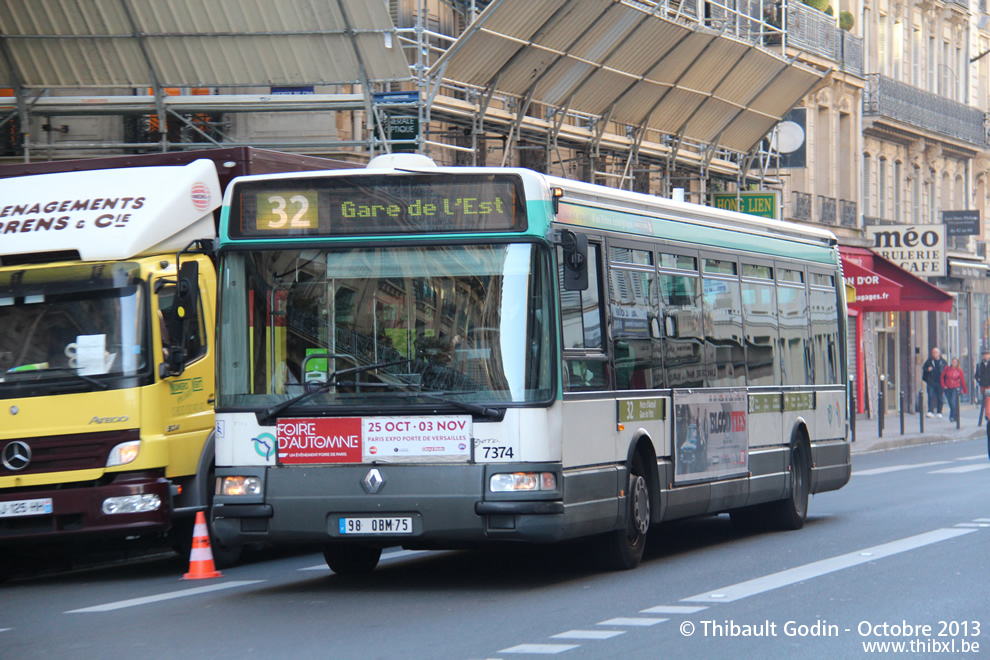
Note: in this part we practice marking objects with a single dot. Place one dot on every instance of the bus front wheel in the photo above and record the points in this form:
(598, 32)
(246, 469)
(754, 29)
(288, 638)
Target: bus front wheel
(622, 549)
(351, 559)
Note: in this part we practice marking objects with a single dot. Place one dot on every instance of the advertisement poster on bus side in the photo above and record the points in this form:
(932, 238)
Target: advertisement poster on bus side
(710, 436)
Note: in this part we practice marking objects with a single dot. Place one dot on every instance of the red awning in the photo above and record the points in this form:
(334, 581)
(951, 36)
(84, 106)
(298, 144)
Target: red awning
(882, 286)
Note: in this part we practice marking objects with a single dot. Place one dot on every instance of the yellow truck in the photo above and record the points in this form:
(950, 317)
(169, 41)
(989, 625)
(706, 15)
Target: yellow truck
(107, 301)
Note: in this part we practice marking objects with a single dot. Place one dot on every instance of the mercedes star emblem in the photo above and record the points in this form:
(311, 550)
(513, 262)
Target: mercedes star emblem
(16, 455)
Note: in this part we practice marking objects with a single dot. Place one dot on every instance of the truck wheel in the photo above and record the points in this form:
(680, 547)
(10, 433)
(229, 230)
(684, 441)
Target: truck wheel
(622, 549)
(351, 559)
(790, 513)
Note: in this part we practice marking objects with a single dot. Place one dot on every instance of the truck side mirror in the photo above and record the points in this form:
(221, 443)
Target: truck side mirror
(575, 248)
(185, 314)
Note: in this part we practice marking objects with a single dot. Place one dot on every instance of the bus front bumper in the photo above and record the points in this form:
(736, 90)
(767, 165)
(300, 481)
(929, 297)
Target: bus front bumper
(443, 506)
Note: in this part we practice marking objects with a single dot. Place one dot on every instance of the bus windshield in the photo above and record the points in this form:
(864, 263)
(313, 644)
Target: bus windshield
(66, 323)
(385, 326)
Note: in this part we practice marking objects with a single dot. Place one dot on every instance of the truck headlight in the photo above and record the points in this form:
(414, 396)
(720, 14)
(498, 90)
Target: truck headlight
(124, 453)
(132, 504)
(511, 482)
(240, 486)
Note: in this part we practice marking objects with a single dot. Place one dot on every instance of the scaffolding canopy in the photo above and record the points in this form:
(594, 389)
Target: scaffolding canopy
(53, 44)
(625, 61)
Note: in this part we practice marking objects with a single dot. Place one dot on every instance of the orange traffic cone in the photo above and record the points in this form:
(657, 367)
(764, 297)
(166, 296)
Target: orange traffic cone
(200, 556)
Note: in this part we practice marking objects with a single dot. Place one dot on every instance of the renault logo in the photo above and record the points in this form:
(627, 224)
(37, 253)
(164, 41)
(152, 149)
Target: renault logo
(16, 455)
(372, 482)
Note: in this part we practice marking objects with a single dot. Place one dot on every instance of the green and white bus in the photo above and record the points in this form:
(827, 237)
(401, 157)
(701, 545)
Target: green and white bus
(438, 357)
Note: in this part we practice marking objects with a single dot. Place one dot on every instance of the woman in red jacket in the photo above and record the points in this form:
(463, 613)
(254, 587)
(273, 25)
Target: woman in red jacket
(952, 379)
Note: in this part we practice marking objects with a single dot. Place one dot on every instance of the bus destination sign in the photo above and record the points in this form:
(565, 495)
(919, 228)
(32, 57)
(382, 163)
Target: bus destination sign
(377, 204)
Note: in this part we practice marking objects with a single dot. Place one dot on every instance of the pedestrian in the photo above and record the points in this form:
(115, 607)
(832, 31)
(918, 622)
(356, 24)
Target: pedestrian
(982, 376)
(953, 379)
(931, 373)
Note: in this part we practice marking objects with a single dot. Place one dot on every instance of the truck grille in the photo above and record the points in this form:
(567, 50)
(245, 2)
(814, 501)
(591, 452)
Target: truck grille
(60, 453)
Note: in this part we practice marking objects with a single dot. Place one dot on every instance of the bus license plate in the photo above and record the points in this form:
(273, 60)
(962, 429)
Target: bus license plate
(40, 507)
(376, 525)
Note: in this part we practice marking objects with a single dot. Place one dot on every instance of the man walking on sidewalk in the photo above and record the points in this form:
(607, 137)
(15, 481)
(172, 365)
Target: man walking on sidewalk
(982, 377)
(931, 373)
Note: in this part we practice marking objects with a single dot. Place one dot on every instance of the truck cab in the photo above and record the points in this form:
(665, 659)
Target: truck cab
(106, 352)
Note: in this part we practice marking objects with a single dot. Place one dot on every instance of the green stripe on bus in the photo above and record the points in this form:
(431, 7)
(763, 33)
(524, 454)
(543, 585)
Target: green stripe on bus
(641, 410)
(799, 401)
(762, 403)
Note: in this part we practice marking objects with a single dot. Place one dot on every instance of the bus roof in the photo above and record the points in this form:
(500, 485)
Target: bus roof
(109, 214)
(540, 188)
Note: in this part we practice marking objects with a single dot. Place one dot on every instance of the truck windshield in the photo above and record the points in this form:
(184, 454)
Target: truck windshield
(385, 326)
(69, 322)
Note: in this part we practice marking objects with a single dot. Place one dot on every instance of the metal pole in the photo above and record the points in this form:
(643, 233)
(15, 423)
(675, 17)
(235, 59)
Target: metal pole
(902, 401)
(881, 405)
(921, 412)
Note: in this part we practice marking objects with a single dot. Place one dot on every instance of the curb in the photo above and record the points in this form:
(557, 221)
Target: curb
(897, 442)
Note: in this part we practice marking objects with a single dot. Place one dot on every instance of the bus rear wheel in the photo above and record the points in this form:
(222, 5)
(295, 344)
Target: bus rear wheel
(351, 559)
(622, 549)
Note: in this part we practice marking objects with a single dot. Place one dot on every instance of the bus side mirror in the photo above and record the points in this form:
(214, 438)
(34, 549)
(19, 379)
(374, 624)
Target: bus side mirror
(575, 248)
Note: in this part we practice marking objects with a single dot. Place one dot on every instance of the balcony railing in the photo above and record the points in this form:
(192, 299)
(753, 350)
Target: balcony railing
(890, 98)
(847, 213)
(826, 208)
(816, 32)
(801, 209)
(758, 21)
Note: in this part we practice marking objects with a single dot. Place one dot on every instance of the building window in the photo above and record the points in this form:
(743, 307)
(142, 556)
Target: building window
(898, 187)
(881, 186)
(916, 196)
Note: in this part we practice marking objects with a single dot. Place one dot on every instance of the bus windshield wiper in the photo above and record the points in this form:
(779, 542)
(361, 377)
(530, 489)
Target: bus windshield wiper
(270, 413)
(473, 408)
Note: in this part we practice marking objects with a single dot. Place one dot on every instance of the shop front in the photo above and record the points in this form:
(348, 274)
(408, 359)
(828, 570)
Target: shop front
(884, 327)
(966, 330)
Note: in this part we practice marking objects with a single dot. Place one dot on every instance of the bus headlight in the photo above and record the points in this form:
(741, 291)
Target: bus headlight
(240, 486)
(124, 453)
(512, 482)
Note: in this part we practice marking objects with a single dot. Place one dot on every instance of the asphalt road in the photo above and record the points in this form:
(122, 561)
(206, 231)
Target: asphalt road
(898, 556)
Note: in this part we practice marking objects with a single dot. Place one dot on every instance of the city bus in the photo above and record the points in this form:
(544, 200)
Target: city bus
(433, 357)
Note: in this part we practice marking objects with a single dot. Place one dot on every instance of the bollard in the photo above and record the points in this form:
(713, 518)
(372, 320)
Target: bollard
(881, 405)
(921, 412)
(901, 404)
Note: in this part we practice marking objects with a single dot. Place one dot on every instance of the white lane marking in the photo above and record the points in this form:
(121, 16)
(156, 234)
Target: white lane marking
(544, 649)
(896, 468)
(961, 468)
(981, 519)
(631, 621)
(674, 609)
(971, 458)
(972, 524)
(823, 567)
(392, 555)
(5, 629)
(133, 602)
(588, 634)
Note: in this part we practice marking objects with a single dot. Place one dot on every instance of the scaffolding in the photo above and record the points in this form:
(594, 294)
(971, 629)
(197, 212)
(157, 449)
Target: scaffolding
(386, 70)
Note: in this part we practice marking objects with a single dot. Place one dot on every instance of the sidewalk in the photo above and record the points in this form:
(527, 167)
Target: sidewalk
(937, 430)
